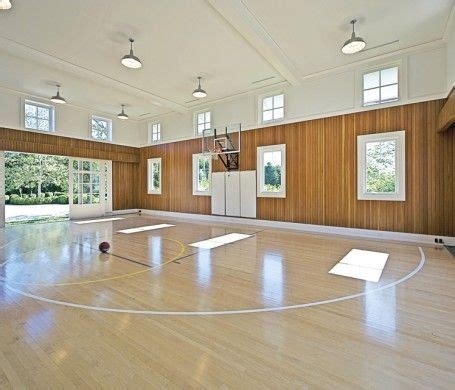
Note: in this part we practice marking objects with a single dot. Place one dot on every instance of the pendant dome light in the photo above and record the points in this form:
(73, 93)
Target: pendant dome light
(5, 4)
(199, 92)
(122, 115)
(130, 60)
(353, 44)
(57, 98)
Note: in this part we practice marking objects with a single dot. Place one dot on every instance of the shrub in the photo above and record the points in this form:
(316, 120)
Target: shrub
(17, 200)
(62, 199)
(49, 194)
(33, 196)
(34, 200)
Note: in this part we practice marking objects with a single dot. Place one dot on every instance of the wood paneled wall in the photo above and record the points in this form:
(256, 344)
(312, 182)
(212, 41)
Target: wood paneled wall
(125, 184)
(321, 172)
(177, 184)
(33, 142)
(446, 117)
(125, 159)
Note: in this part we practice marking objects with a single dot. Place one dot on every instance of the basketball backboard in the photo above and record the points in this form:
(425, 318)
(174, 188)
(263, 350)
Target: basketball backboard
(222, 140)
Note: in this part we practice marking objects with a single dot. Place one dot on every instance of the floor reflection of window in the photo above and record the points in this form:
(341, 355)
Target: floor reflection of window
(380, 314)
(204, 268)
(155, 244)
(39, 324)
(272, 278)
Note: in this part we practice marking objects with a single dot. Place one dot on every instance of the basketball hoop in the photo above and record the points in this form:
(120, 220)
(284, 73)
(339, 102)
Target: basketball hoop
(215, 150)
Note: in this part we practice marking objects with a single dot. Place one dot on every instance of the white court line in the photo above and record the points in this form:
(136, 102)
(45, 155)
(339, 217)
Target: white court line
(224, 312)
(97, 220)
(144, 228)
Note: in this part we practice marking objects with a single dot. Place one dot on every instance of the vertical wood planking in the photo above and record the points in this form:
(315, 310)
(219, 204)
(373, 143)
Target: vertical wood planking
(322, 172)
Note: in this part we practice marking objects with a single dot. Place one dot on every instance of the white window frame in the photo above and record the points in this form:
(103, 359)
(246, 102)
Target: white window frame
(109, 121)
(150, 163)
(42, 105)
(196, 118)
(261, 193)
(196, 174)
(379, 69)
(150, 132)
(261, 110)
(400, 166)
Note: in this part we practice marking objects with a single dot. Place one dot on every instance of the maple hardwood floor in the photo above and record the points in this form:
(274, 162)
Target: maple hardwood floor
(74, 318)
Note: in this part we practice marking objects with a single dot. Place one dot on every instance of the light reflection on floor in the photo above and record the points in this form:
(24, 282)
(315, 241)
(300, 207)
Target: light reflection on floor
(361, 264)
(272, 278)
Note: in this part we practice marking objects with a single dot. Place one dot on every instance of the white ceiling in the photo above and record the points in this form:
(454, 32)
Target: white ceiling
(231, 43)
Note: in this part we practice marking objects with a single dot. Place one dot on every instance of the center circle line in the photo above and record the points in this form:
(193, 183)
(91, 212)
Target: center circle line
(225, 312)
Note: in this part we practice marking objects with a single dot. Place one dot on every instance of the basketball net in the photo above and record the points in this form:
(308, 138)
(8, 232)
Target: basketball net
(214, 151)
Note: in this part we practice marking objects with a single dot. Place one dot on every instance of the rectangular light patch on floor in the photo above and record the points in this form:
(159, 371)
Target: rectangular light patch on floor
(97, 220)
(144, 228)
(219, 241)
(360, 264)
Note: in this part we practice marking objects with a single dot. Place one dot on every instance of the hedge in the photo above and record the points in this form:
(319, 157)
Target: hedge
(32, 200)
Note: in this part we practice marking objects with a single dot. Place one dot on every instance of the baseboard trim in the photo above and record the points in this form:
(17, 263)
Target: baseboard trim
(344, 231)
(127, 211)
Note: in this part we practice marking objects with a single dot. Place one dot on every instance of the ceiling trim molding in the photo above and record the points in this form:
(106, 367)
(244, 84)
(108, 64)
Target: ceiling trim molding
(20, 50)
(412, 49)
(450, 22)
(242, 19)
(68, 104)
(211, 103)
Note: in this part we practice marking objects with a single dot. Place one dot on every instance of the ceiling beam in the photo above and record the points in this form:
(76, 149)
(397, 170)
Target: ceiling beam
(237, 14)
(19, 50)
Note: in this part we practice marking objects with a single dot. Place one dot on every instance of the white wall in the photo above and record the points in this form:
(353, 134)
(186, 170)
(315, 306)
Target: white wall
(451, 58)
(426, 74)
(70, 121)
(423, 76)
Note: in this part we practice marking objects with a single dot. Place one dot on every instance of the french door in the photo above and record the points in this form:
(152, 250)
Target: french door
(90, 188)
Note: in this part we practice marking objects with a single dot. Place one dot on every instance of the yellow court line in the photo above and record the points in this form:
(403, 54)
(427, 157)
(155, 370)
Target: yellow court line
(181, 252)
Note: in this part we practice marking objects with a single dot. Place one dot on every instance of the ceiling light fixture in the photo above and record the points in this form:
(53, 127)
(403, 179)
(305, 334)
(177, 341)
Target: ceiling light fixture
(5, 4)
(353, 44)
(130, 60)
(57, 98)
(199, 92)
(122, 115)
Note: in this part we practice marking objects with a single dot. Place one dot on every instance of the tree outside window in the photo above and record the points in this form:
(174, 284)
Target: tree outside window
(380, 159)
(203, 183)
(101, 129)
(272, 171)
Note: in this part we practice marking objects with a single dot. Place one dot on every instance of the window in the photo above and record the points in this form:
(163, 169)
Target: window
(38, 116)
(202, 174)
(203, 121)
(273, 108)
(380, 86)
(154, 176)
(381, 166)
(155, 132)
(271, 166)
(101, 128)
(86, 182)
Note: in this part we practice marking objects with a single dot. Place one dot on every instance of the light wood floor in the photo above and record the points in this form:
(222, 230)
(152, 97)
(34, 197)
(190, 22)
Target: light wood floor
(71, 317)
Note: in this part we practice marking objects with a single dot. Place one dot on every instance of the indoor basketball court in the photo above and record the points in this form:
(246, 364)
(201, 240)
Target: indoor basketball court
(264, 199)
